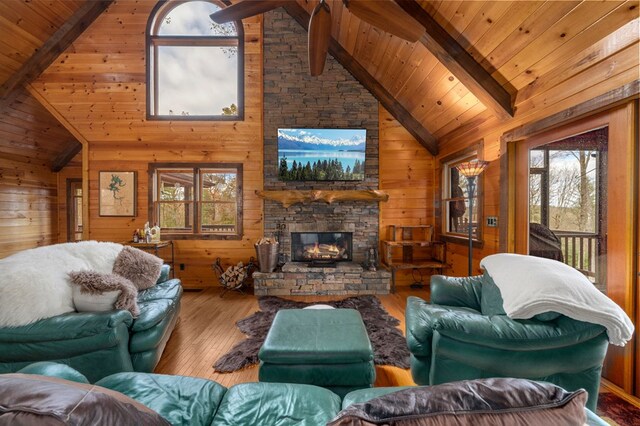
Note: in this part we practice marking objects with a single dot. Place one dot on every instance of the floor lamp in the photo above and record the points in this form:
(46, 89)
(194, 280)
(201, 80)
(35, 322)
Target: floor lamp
(471, 170)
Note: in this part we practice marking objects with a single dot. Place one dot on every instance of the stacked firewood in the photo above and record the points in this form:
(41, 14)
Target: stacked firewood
(266, 240)
(234, 276)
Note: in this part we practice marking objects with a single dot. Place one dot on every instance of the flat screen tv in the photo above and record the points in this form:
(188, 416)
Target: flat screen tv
(321, 154)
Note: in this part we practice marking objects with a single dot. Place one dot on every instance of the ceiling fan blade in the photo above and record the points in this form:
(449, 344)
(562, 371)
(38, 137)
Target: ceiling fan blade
(387, 16)
(319, 36)
(245, 9)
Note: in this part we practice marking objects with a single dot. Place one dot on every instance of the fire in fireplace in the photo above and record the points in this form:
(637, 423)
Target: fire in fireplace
(321, 246)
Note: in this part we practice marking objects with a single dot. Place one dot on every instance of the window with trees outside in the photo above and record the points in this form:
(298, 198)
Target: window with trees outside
(455, 201)
(194, 65)
(567, 202)
(197, 201)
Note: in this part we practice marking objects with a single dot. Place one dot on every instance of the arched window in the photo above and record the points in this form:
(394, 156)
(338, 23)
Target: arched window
(195, 67)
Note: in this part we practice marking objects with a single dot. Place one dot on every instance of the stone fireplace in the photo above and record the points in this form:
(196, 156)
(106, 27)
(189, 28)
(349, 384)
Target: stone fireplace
(294, 99)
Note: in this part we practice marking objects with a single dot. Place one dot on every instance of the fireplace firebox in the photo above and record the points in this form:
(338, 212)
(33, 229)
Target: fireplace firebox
(321, 248)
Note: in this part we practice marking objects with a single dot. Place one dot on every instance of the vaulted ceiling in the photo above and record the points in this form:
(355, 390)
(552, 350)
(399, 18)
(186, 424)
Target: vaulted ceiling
(32, 34)
(524, 51)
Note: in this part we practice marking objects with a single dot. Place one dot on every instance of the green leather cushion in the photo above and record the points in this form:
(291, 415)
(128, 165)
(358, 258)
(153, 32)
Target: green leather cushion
(276, 404)
(164, 273)
(354, 374)
(420, 322)
(54, 369)
(309, 336)
(73, 325)
(456, 291)
(491, 302)
(152, 313)
(501, 332)
(180, 400)
(170, 289)
(364, 395)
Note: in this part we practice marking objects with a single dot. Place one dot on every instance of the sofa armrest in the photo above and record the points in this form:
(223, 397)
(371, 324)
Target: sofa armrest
(456, 291)
(164, 273)
(54, 369)
(66, 326)
(421, 319)
(502, 332)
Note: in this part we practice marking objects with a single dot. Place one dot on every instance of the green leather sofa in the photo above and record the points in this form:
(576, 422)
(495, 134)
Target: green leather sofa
(200, 402)
(450, 339)
(101, 343)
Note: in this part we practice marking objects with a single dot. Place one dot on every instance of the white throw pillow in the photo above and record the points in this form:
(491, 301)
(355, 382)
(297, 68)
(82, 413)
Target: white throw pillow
(85, 302)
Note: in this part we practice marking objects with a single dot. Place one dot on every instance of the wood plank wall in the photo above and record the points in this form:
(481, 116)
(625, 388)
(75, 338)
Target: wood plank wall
(30, 138)
(98, 86)
(407, 175)
(28, 215)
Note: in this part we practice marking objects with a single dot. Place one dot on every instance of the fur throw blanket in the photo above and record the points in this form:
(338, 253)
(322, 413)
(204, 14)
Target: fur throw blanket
(35, 282)
(95, 283)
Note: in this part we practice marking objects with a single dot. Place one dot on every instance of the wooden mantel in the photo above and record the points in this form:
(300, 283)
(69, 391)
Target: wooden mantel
(288, 198)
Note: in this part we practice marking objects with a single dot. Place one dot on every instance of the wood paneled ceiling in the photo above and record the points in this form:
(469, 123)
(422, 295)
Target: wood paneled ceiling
(25, 26)
(530, 48)
(27, 129)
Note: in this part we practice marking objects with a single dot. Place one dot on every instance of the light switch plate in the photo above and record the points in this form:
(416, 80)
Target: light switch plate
(492, 221)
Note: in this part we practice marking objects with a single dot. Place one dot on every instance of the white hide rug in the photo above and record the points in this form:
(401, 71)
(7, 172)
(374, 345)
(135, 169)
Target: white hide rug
(35, 284)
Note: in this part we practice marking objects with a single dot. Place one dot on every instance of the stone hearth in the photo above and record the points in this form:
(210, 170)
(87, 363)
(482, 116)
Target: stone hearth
(346, 278)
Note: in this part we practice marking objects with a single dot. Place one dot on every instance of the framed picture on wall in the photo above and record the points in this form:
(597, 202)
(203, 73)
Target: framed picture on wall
(117, 193)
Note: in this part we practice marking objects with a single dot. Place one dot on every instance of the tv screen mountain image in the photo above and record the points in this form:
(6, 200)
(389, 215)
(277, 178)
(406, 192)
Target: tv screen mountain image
(321, 154)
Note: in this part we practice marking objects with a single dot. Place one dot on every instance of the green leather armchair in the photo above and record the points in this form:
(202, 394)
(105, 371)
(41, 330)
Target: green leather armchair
(450, 339)
(98, 344)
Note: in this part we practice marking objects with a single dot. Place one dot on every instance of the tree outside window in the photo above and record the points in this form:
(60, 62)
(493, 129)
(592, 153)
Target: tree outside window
(197, 200)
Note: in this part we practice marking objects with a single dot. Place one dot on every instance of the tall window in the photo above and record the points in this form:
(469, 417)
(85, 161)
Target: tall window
(194, 66)
(455, 201)
(197, 200)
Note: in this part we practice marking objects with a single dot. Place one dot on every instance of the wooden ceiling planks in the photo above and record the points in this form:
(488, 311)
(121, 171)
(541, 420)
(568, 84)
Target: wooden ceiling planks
(26, 26)
(592, 34)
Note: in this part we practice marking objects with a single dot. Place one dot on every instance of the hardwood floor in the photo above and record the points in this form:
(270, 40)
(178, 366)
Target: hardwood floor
(207, 331)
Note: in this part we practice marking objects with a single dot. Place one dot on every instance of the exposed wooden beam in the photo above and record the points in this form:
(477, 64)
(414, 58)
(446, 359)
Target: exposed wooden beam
(71, 150)
(461, 64)
(51, 49)
(404, 117)
(599, 103)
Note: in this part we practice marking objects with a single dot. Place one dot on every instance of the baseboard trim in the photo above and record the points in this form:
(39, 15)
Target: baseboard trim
(619, 392)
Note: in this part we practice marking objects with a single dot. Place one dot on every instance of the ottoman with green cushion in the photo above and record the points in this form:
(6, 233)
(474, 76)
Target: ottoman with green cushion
(328, 348)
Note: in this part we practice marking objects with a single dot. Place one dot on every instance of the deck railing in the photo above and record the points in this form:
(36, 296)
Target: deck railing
(580, 250)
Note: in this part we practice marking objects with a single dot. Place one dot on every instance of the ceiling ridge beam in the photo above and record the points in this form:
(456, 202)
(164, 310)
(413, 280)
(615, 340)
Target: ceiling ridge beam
(461, 64)
(72, 149)
(51, 49)
(388, 101)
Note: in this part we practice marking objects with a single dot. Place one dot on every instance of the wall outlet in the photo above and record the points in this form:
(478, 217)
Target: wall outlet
(182, 266)
(492, 221)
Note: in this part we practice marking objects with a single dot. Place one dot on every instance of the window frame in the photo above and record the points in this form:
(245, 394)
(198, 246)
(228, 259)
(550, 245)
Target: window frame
(196, 231)
(446, 164)
(159, 12)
